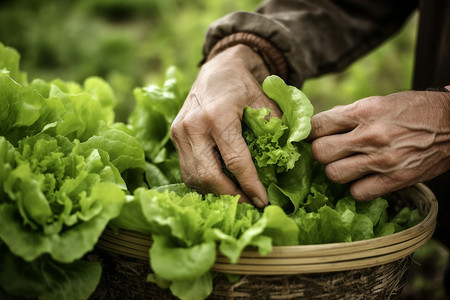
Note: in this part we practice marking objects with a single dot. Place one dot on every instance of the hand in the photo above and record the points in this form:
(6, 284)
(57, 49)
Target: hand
(209, 125)
(382, 144)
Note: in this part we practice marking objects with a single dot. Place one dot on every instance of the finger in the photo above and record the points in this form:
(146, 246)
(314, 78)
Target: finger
(199, 163)
(377, 185)
(334, 147)
(343, 118)
(263, 101)
(209, 175)
(238, 161)
(335, 120)
(350, 168)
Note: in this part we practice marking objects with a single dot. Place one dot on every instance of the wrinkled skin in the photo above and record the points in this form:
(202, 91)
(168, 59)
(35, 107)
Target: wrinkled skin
(378, 144)
(382, 144)
(209, 123)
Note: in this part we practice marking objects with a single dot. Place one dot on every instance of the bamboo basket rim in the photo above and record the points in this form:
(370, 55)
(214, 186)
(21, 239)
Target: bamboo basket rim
(302, 259)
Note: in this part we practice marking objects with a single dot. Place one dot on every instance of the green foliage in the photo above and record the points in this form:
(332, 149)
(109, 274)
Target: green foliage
(283, 162)
(46, 279)
(306, 207)
(61, 160)
(129, 43)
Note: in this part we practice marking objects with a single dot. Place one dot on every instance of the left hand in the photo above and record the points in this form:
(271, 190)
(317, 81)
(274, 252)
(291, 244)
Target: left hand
(382, 144)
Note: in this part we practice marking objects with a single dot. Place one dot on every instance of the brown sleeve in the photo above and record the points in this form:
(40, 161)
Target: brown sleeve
(316, 36)
(272, 57)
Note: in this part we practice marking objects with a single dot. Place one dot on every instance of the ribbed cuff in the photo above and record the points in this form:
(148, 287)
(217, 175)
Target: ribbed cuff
(272, 57)
(439, 89)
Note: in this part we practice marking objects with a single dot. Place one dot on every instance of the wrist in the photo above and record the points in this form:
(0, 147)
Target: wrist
(242, 55)
(271, 57)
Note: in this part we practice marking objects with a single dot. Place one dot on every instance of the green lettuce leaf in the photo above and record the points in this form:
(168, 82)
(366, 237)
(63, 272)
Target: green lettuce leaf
(172, 262)
(46, 279)
(9, 64)
(124, 150)
(156, 107)
(7, 163)
(193, 289)
(282, 161)
(296, 107)
(293, 186)
(69, 244)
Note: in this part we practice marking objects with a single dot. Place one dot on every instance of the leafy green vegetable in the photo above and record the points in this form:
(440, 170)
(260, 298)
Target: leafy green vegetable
(47, 279)
(156, 107)
(282, 161)
(187, 227)
(67, 170)
(61, 160)
(63, 244)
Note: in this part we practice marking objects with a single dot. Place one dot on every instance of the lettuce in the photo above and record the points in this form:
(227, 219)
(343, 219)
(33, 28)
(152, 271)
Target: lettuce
(188, 228)
(283, 162)
(45, 278)
(67, 171)
(156, 107)
(61, 164)
(58, 200)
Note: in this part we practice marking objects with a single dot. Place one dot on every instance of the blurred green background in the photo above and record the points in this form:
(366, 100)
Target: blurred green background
(130, 43)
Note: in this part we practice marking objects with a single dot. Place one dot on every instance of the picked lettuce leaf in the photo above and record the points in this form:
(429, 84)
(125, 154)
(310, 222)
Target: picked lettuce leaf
(293, 186)
(187, 227)
(175, 263)
(295, 105)
(193, 289)
(283, 162)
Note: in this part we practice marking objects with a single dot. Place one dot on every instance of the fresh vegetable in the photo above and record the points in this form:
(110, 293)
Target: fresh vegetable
(61, 159)
(67, 171)
(283, 162)
(306, 207)
(156, 107)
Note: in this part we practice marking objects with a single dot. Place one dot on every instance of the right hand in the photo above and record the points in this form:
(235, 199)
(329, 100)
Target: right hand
(208, 125)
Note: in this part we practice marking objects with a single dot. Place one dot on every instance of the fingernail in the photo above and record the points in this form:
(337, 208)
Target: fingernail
(258, 202)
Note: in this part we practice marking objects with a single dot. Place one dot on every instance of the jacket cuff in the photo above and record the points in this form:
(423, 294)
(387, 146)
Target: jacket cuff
(271, 56)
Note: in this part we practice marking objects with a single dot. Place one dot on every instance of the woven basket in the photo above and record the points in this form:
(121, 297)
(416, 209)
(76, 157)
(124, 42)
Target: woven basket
(369, 269)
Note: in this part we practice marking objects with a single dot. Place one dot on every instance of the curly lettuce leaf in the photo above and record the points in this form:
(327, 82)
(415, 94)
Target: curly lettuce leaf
(70, 243)
(282, 162)
(19, 107)
(60, 199)
(57, 108)
(187, 228)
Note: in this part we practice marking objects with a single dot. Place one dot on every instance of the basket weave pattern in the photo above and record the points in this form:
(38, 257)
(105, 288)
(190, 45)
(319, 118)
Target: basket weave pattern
(125, 278)
(370, 269)
(380, 282)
